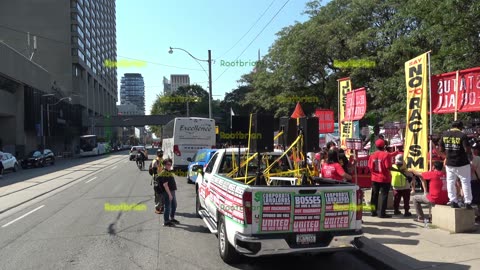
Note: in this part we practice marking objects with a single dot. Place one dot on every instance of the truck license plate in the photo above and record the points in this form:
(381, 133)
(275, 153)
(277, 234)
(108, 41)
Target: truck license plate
(304, 239)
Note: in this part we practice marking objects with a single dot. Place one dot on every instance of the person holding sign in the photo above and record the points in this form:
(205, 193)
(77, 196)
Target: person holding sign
(379, 164)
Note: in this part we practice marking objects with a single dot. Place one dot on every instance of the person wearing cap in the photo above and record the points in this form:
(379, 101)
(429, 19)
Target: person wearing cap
(454, 144)
(157, 168)
(379, 164)
(401, 186)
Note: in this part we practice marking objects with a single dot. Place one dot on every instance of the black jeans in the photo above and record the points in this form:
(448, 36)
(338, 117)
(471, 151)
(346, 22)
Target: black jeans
(376, 188)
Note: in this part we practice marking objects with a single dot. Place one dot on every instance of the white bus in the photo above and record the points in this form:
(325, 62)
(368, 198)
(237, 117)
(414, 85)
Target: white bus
(184, 136)
(90, 147)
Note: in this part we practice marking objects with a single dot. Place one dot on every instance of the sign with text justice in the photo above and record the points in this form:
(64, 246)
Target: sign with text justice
(416, 134)
(444, 88)
(345, 127)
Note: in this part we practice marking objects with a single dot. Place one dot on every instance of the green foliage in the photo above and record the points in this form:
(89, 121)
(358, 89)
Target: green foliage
(301, 62)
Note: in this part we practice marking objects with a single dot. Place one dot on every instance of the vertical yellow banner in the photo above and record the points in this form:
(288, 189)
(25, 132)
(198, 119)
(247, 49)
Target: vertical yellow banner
(416, 134)
(346, 128)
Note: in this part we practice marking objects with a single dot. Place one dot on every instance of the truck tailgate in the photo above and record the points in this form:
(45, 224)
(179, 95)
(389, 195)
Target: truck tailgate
(296, 209)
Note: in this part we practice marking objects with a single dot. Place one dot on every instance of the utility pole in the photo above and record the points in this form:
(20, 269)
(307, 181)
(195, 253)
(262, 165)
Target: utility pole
(210, 84)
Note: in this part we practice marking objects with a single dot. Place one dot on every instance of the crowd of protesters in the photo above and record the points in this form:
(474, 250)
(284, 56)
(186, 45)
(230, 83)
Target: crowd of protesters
(453, 179)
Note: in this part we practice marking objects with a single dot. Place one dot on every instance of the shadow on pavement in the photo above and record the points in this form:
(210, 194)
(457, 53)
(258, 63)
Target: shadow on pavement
(60, 165)
(187, 215)
(397, 260)
(378, 231)
(192, 228)
(347, 259)
(389, 224)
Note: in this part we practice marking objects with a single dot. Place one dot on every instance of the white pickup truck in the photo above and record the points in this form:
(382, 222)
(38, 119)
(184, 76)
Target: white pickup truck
(256, 220)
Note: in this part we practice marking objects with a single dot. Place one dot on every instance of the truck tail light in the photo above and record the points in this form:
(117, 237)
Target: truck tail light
(359, 204)
(247, 206)
(176, 150)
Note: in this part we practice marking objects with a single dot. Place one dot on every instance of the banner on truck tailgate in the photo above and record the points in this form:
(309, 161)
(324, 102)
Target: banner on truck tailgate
(307, 213)
(337, 210)
(289, 212)
(275, 211)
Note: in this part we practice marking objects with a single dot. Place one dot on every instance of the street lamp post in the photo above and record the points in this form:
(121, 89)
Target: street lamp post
(42, 126)
(48, 116)
(48, 109)
(209, 75)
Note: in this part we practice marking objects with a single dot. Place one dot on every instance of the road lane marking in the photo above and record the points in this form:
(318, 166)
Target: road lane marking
(113, 168)
(22, 216)
(91, 179)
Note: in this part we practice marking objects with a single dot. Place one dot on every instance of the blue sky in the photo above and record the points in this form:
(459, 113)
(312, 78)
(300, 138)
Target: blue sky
(147, 28)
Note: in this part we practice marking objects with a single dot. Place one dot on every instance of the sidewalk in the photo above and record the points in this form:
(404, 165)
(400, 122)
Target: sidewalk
(403, 243)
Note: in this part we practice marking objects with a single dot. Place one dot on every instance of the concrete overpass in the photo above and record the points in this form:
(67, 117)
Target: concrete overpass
(132, 120)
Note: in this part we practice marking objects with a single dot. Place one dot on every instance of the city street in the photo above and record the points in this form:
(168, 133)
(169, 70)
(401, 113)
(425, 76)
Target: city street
(71, 227)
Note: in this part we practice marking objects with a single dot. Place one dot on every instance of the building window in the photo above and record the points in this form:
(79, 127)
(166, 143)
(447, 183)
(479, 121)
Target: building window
(80, 33)
(80, 44)
(79, 20)
(79, 10)
(81, 55)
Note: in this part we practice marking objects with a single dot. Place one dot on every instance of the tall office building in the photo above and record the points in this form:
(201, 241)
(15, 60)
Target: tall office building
(132, 90)
(58, 50)
(177, 80)
(167, 87)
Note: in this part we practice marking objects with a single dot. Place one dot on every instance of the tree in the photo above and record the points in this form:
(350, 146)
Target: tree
(302, 61)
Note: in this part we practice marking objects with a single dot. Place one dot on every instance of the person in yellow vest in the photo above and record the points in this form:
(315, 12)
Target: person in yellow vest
(156, 167)
(401, 178)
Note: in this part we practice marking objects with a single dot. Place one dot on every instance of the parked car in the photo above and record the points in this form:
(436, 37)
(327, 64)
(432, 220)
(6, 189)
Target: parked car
(38, 159)
(133, 151)
(9, 162)
(202, 157)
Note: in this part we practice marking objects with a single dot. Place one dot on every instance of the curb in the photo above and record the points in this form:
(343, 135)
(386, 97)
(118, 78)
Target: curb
(383, 254)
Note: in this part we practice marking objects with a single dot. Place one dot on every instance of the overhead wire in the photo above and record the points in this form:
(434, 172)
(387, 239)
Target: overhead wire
(254, 38)
(261, 16)
(69, 44)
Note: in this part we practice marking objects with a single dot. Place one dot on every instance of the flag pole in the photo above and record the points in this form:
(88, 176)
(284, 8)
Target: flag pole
(456, 96)
(338, 113)
(430, 107)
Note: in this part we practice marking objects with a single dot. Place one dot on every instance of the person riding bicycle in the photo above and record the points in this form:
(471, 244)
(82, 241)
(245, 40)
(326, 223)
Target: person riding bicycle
(140, 157)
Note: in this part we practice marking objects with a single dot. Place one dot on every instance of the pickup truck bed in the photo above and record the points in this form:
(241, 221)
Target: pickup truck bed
(269, 220)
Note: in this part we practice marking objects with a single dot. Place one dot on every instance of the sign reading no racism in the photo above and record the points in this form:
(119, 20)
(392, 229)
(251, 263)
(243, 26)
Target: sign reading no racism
(416, 135)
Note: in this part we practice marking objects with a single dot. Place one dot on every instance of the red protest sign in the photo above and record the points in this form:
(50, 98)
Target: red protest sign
(326, 122)
(443, 91)
(356, 104)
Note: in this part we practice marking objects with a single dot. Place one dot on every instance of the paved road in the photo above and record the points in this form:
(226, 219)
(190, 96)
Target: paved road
(70, 228)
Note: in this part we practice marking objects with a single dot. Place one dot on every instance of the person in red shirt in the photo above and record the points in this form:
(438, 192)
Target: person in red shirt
(379, 164)
(438, 189)
(332, 168)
